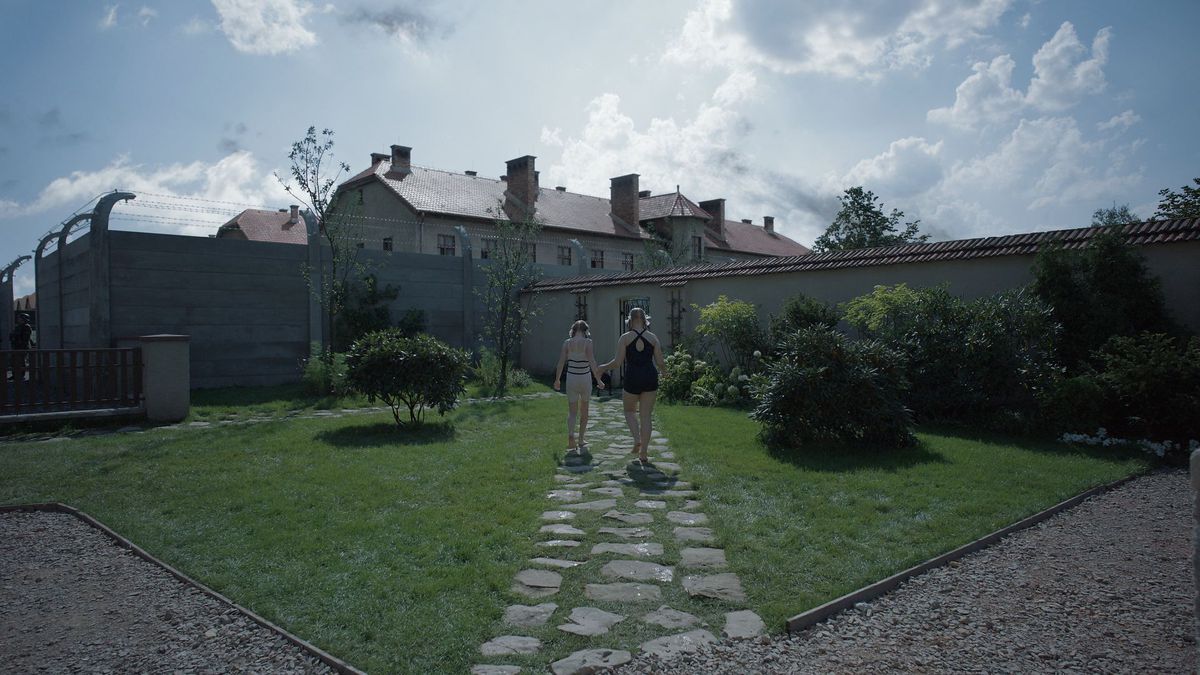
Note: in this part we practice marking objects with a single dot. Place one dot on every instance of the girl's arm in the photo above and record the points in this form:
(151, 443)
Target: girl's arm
(596, 372)
(658, 355)
(562, 361)
(619, 359)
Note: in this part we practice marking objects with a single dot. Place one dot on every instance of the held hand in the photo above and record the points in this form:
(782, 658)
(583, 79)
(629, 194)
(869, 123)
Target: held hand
(600, 384)
(556, 385)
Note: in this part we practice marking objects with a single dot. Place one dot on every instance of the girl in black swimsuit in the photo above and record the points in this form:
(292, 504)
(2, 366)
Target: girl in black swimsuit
(639, 351)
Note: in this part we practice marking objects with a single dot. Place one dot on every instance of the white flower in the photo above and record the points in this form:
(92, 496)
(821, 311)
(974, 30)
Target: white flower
(743, 378)
(732, 390)
(757, 354)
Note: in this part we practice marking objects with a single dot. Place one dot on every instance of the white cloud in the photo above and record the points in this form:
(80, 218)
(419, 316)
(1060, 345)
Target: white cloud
(738, 87)
(1120, 122)
(146, 15)
(196, 26)
(1025, 19)
(265, 26)
(909, 166)
(237, 179)
(110, 17)
(1062, 74)
(842, 39)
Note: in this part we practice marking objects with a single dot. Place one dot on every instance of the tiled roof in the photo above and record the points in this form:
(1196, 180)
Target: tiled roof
(456, 194)
(751, 238)
(25, 302)
(1150, 232)
(261, 225)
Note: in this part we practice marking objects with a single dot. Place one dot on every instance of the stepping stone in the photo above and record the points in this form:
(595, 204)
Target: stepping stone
(627, 532)
(588, 661)
(670, 618)
(665, 454)
(536, 583)
(529, 615)
(638, 570)
(589, 621)
(563, 479)
(690, 504)
(495, 670)
(558, 543)
(623, 592)
(667, 466)
(508, 645)
(644, 550)
(671, 646)
(650, 504)
(608, 491)
(562, 529)
(703, 535)
(558, 515)
(669, 485)
(630, 518)
(743, 624)
(705, 558)
(577, 460)
(556, 562)
(685, 518)
(725, 586)
(577, 469)
(598, 505)
(678, 493)
(564, 495)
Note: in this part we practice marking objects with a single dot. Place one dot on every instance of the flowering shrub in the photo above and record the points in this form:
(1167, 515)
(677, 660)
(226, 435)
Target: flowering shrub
(1151, 385)
(714, 388)
(1157, 448)
(732, 327)
(675, 383)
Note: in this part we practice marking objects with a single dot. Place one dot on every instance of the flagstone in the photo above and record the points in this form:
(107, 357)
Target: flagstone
(638, 570)
(743, 624)
(644, 549)
(564, 479)
(608, 491)
(630, 518)
(668, 466)
(650, 504)
(588, 661)
(507, 645)
(703, 535)
(671, 493)
(671, 646)
(562, 529)
(557, 562)
(670, 618)
(702, 558)
(495, 670)
(725, 586)
(627, 532)
(686, 518)
(623, 592)
(536, 583)
(590, 621)
(558, 515)
(529, 615)
(558, 543)
(577, 469)
(598, 505)
(691, 504)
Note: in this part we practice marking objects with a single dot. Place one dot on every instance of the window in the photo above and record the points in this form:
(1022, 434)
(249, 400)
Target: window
(627, 262)
(597, 259)
(530, 250)
(360, 245)
(446, 244)
(564, 256)
(697, 248)
(387, 243)
(486, 246)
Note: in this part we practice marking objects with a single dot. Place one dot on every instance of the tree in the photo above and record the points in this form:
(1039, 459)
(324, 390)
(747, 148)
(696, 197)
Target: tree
(415, 372)
(509, 269)
(338, 220)
(1182, 204)
(862, 223)
(1117, 215)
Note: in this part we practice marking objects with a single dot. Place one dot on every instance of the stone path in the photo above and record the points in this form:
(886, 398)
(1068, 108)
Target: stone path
(626, 565)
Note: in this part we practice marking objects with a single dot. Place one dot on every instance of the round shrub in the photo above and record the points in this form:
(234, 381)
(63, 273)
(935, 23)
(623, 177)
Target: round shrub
(801, 311)
(416, 372)
(826, 387)
(676, 381)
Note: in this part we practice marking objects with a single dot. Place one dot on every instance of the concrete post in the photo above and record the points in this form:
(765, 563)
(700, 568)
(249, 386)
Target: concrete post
(468, 289)
(315, 273)
(166, 377)
(99, 287)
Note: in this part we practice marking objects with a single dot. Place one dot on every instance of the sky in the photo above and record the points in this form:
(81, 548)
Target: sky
(980, 118)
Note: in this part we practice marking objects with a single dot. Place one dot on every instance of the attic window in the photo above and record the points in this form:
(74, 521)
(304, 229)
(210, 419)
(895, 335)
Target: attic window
(387, 243)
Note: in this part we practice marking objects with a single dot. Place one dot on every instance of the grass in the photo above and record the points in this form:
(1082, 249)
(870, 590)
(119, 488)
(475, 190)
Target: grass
(803, 530)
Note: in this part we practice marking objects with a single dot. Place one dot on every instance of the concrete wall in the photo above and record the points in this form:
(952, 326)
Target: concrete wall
(74, 297)
(1177, 266)
(244, 303)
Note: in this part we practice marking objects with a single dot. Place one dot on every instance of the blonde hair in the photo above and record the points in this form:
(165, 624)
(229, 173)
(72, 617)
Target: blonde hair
(637, 312)
(580, 326)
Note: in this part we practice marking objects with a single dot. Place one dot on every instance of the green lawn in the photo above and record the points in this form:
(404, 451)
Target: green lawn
(395, 551)
(801, 532)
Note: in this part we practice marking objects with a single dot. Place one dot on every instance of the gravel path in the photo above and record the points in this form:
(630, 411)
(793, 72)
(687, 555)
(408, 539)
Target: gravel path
(1105, 587)
(73, 601)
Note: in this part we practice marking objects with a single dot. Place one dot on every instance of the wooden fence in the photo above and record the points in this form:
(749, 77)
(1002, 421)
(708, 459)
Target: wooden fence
(55, 380)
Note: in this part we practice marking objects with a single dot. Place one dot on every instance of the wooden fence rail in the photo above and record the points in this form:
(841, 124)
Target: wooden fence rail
(53, 380)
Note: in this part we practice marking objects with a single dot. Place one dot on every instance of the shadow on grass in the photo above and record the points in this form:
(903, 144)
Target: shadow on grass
(836, 457)
(387, 433)
(1043, 444)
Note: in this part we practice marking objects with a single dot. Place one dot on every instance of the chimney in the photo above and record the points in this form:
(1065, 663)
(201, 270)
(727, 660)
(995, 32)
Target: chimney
(560, 188)
(401, 162)
(747, 221)
(295, 216)
(522, 186)
(716, 209)
(471, 173)
(623, 196)
(377, 157)
(769, 223)
(643, 193)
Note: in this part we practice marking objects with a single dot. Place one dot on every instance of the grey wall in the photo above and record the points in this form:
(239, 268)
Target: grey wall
(75, 295)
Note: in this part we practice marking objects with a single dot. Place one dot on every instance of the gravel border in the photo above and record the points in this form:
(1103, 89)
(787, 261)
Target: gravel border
(165, 581)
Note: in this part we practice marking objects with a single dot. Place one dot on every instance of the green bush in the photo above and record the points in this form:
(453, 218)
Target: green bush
(1151, 386)
(732, 325)
(826, 387)
(675, 382)
(416, 372)
(324, 373)
(487, 372)
(412, 323)
(801, 311)
(716, 388)
(1072, 404)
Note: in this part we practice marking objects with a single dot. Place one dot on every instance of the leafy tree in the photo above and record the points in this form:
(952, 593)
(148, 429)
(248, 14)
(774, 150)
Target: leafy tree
(314, 180)
(801, 311)
(1117, 215)
(733, 326)
(508, 270)
(862, 223)
(416, 372)
(1182, 204)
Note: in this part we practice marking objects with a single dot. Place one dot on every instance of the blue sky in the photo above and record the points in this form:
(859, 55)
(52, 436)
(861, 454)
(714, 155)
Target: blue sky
(980, 118)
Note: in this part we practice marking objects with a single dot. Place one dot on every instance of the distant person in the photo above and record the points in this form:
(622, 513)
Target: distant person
(580, 363)
(640, 353)
(21, 335)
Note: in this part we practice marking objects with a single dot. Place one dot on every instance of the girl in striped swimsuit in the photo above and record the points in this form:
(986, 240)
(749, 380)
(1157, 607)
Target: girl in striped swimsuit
(580, 363)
